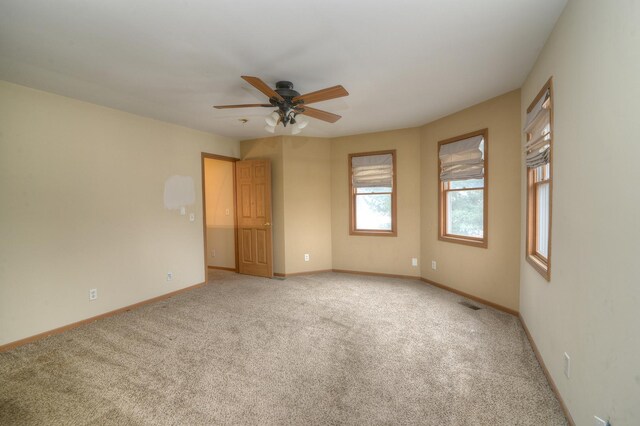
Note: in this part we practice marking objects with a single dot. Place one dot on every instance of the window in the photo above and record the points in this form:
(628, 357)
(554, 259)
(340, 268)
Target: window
(372, 188)
(538, 149)
(462, 189)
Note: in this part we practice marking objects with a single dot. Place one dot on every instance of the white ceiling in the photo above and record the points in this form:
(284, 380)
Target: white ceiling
(404, 63)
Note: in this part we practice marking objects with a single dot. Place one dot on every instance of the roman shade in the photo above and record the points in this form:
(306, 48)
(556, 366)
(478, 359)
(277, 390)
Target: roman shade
(463, 159)
(372, 171)
(538, 130)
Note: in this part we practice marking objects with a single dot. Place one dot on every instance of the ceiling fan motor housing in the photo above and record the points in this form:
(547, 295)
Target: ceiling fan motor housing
(285, 89)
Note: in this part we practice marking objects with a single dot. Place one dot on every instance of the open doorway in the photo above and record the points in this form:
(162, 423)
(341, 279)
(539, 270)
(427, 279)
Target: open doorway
(219, 212)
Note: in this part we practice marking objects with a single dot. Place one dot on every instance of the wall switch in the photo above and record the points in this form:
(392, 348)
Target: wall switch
(567, 365)
(433, 265)
(93, 294)
(226, 212)
(183, 211)
(306, 257)
(169, 276)
(213, 253)
(597, 421)
(414, 261)
(192, 217)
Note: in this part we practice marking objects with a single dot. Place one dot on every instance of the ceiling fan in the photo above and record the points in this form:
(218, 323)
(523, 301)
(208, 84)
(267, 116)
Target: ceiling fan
(290, 103)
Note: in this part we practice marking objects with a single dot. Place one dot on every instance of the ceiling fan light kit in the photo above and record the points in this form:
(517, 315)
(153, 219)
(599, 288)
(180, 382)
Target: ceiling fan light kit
(291, 104)
(301, 123)
(273, 119)
(297, 123)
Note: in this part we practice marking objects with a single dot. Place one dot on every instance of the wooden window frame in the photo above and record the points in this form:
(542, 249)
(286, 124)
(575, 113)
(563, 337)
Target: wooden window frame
(352, 199)
(537, 261)
(442, 193)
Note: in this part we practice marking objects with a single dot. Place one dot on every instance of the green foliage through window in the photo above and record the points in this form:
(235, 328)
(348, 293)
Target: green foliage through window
(465, 211)
(373, 212)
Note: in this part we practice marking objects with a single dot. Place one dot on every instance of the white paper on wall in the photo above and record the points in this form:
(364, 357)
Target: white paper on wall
(179, 191)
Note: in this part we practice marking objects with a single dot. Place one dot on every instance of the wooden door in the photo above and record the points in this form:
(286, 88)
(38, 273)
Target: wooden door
(255, 251)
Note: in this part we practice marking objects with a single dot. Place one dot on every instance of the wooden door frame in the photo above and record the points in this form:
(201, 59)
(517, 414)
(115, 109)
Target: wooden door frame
(204, 156)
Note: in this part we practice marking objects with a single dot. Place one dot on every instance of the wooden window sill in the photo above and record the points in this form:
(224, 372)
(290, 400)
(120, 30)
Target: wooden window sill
(474, 242)
(374, 233)
(540, 266)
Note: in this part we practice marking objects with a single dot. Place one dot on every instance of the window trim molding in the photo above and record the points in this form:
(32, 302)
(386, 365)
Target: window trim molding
(352, 196)
(541, 265)
(442, 205)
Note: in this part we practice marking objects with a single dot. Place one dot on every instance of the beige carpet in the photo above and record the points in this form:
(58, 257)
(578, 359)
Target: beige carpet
(323, 349)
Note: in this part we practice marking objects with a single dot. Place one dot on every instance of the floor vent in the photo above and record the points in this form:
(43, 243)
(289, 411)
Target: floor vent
(470, 305)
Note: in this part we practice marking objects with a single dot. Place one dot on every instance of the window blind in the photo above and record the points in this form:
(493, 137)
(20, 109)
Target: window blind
(463, 159)
(372, 171)
(538, 130)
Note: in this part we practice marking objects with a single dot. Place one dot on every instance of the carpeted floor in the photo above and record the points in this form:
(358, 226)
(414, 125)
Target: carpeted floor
(322, 349)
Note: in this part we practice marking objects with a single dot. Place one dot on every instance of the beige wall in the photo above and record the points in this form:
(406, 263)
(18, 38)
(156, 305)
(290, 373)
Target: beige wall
(590, 307)
(389, 255)
(271, 149)
(218, 177)
(82, 207)
(490, 273)
(307, 201)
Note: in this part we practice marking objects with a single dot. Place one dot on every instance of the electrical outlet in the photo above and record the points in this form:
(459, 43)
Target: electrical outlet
(306, 257)
(567, 365)
(434, 266)
(169, 276)
(414, 261)
(93, 294)
(226, 212)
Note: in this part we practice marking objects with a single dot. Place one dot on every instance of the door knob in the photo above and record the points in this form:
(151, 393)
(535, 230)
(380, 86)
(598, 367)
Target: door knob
(267, 224)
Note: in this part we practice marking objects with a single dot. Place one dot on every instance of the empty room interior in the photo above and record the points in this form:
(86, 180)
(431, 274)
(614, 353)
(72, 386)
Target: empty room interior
(415, 212)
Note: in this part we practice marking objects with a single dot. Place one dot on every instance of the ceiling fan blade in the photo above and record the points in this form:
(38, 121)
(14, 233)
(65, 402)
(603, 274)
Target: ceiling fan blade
(322, 95)
(241, 106)
(263, 87)
(318, 113)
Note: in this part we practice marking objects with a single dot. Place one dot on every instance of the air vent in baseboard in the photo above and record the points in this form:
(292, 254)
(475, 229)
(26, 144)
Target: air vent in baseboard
(470, 305)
